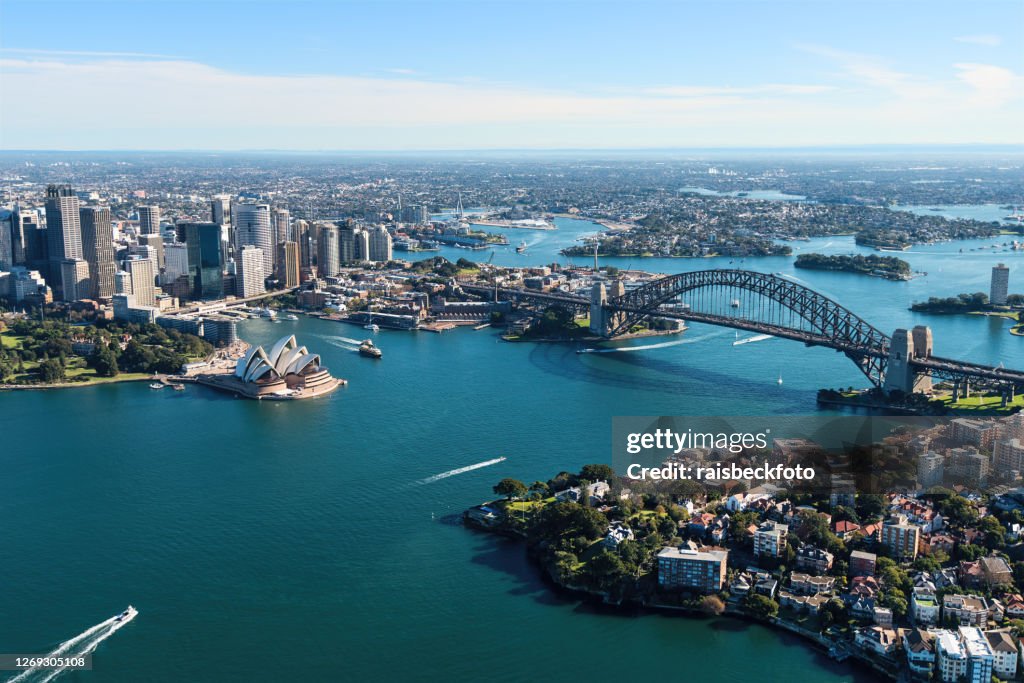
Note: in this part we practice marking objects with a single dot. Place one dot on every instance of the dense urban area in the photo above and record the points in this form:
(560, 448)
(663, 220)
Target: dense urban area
(141, 266)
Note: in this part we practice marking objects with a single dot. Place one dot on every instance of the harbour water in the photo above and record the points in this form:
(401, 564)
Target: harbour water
(314, 540)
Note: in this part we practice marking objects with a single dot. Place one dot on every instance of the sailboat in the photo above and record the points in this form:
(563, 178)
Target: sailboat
(779, 381)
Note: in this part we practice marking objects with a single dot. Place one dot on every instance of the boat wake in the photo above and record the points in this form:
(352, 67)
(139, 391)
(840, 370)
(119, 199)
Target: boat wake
(84, 643)
(461, 470)
(755, 338)
(343, 342)
(662, 345)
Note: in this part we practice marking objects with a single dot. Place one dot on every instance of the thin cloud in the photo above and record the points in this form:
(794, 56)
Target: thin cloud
(992, 85)
(83, 53)
(986, 39)
(766, 89)
(186, 104)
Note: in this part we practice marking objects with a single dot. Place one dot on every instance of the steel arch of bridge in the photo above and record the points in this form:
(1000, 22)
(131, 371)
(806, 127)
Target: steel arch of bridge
(828, 323)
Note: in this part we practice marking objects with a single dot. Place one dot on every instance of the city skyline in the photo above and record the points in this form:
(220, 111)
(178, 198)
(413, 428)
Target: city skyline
(406, 76)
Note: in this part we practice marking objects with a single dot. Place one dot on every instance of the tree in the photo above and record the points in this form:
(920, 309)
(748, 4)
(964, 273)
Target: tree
(104, 361)
(51, 371)
(597, 473)
(762, 606)
(510, 488)
(712, 605)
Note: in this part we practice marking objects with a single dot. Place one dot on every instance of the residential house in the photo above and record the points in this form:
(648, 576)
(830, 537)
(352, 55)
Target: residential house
(920, 648)
(813, 559)
(770, 539)
(924, 607)
(1004, 653)
(965, 610)
(805, 584)
(877, 639)
(862, 563)
(616, 534)
(810, 604)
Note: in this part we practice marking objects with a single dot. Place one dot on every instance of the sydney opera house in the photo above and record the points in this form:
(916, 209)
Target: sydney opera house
(288, 371)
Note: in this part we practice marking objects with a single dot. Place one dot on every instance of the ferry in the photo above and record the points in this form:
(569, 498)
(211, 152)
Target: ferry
(267, 313)
(369, 350)
(291, 316)
(521, 248)
(127, 615)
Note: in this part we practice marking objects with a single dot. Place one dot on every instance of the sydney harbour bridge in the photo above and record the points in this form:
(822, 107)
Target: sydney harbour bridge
(769, 304)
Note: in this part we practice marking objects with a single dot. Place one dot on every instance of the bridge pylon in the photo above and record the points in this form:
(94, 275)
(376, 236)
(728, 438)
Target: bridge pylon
(900, 374)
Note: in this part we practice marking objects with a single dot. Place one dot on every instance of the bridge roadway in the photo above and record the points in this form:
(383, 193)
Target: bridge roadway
(942, 368)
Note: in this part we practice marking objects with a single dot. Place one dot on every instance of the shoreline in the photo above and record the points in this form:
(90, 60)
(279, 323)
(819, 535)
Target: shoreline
(67, 385)
(732, 611)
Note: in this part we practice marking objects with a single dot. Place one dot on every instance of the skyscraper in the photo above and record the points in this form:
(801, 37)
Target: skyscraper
(205, 260)
(288, 264)
(63, 231)
(75, 282)
(302, 237)
(6, 241)
(362, 240)
(22, 220)
(143, 280)
(175, 262)
(282, 226)
(220, 209)
(380, 244)
(98, 249)
(149, 220)
(327, 251)
(1000, 285)
(252, 227)
(251, 275)
(346, 243)
(156, 243)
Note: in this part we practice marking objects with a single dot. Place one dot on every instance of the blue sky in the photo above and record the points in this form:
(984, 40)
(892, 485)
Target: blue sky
(398, 75)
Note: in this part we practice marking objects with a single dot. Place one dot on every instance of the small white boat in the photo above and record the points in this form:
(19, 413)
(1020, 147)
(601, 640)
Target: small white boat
(127, 615)
(780, 378)
(156, 385)
(291, 316)
(372, 327)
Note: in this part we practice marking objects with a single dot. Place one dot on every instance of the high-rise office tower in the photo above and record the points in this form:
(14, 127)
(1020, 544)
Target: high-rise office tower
(122, 282)
(250, 278)
(220, 209)
(36, 248)
(252, 227)
(75, 282)
(175, 262)
(328, 251)
(143, 280)
(98, 249)
(1000, 285)
(288, 264)
(156, 243)
(282, 226)
(6, 242)
(300, 228)
(22, 221)
(380, 244)
(63, 231)
(149, 220)
(205, 260)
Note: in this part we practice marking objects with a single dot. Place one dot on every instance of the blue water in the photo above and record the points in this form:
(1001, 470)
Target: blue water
(276, 541)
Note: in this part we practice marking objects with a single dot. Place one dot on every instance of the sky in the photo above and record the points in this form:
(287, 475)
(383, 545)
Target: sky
(383, 75)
